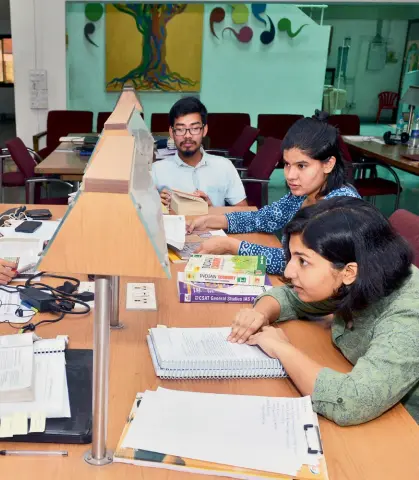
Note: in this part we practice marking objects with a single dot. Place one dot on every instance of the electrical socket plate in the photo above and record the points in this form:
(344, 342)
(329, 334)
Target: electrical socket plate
(86, 287)
(141, 296)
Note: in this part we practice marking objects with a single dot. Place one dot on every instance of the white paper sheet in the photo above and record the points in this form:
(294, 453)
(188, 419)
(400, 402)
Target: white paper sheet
(16, 368)
(44, 232)
(9, 302)
(263, 433)
(51, 391)
(26, 246)
(175, 230)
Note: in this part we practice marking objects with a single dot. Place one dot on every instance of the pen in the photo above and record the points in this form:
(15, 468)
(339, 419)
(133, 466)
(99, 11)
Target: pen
(54, 453)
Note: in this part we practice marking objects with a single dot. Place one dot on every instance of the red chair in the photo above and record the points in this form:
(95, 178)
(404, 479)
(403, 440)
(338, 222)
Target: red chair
(101, 119)
(386, 101)
(159, 123)
(8, 179)
(60, 123)
(346, 124)
(26, 164)
(225, 128)
(371, 186)
(256, 177)
(407, 225)
(276, 125)
(241, 147)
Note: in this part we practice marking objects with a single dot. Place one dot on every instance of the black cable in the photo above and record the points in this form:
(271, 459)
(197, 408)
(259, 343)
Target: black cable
(59, 295)
(50, 275)
(61, 303)
(32, 326)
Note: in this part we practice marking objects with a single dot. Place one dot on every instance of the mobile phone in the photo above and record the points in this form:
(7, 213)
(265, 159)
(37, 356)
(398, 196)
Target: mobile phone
(42, 213)
(28, 227)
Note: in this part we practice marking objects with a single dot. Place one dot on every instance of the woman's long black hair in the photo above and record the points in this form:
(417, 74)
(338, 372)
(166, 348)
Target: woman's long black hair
(320, 141)
(344, 230)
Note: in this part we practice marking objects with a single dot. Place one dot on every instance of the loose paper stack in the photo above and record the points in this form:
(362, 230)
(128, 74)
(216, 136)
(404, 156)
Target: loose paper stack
(43, 361)
(222, 434)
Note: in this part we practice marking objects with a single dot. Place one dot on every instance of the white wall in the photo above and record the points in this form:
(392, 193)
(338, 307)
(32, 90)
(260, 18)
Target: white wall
(364, 85)
(7, 104)
(38, 31)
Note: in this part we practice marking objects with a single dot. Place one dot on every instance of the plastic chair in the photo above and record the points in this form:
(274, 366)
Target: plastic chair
(407, 225)
(26, 160)
(386, 101)
(371, 186)
(241, 147)
(60, 123)
(256, 177)
(8, 179)
(346, 124)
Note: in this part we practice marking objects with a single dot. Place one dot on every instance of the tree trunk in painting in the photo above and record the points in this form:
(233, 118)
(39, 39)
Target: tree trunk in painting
(153, 72)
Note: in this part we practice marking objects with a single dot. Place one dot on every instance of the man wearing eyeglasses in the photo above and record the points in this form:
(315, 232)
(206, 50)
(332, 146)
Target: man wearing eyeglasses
(191, 169)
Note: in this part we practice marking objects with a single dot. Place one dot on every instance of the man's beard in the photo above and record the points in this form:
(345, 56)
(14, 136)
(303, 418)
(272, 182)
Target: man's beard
(190, 152)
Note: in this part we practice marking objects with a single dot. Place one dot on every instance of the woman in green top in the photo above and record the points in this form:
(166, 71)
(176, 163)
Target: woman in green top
(345, 259)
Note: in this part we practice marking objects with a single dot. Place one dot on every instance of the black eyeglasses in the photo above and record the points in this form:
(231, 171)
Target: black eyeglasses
(181, 131)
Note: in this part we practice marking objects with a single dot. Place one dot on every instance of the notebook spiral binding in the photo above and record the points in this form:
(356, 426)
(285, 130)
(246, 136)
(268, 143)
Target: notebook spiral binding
(198, 370)
(48, 351)
(219, 364)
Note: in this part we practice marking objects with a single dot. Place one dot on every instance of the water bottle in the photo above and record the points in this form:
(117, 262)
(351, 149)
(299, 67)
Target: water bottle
(400, 126)
(414, 136)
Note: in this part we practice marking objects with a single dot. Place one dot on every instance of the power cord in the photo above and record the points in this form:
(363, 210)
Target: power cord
(63, 299)
(18, 214)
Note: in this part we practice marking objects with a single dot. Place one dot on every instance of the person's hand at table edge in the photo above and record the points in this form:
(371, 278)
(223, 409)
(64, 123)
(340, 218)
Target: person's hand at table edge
(7, 271)
(219, 246)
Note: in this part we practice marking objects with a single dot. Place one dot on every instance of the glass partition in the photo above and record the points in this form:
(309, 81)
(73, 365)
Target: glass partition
(142, 190)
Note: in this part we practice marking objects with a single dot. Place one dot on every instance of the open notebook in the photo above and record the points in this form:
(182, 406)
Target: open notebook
(206, 353)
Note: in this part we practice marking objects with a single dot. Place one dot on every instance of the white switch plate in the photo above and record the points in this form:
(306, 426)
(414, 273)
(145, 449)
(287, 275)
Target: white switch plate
(86, 287)
(141, 296)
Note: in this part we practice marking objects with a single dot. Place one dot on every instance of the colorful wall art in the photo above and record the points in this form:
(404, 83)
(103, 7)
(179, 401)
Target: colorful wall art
(161, 45)
(240, 16)
(93, 13)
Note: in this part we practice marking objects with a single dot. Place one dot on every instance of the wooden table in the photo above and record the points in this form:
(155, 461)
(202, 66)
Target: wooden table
(384, 449)
(388, 154)
(65, 162)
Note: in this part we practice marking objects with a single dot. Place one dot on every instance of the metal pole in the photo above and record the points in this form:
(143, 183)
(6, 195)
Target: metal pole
(31, 194)
(115, 304)
(98, 455)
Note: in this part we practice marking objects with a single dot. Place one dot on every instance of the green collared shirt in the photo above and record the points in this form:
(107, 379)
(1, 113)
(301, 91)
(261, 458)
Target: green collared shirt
(383, 346)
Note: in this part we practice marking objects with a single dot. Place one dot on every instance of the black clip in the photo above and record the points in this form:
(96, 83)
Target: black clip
(316, 428)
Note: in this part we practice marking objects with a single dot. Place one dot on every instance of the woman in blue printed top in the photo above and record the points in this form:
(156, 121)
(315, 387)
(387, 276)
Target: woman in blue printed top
(314, 170)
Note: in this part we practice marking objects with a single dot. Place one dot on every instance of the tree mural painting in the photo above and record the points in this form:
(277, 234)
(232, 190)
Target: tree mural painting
(153, 72)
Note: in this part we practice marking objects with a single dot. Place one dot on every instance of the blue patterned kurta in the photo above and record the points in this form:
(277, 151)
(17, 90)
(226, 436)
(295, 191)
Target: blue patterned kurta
(270, 219)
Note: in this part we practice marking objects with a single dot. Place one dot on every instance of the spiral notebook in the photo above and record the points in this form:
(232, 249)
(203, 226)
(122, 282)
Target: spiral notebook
(206, 353)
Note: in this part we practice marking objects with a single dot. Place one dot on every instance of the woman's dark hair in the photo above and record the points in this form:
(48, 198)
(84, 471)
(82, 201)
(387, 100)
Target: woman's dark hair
(347, 229)
(185, 106)
(320, 141)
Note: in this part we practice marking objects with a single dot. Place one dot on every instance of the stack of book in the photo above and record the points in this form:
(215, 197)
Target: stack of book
(223, 279)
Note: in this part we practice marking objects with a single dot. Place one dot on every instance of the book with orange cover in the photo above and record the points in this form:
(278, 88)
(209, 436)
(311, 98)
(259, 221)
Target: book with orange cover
(145, 458)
